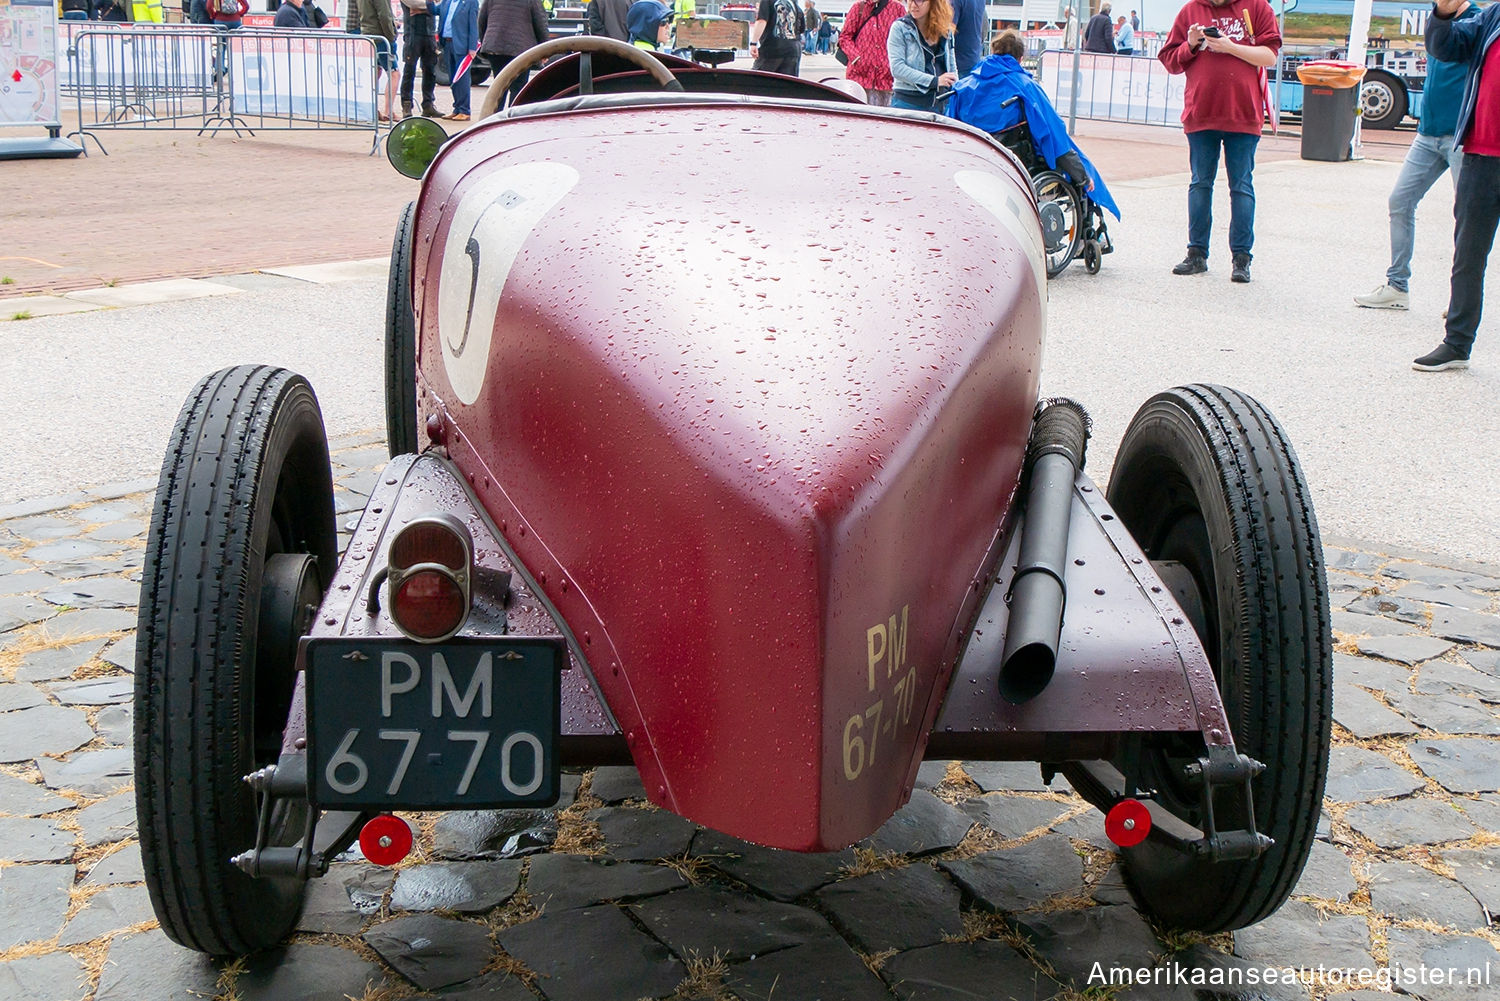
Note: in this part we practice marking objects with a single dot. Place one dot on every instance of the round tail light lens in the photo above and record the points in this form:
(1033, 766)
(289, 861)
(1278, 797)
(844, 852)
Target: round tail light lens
(429, 604)
(431, 567)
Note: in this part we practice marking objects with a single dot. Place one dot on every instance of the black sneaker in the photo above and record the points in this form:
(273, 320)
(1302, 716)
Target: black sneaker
(1195, 263)
(1443, 358)
(1241, 271)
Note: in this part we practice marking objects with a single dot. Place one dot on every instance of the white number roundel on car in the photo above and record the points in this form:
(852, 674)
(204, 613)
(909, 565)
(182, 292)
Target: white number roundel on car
(489, 227)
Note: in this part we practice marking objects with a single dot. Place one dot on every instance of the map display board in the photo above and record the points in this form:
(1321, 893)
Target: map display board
(28, 62)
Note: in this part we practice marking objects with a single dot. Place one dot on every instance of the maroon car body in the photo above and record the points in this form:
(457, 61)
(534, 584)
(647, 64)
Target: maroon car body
(712, 468)
(767, 455)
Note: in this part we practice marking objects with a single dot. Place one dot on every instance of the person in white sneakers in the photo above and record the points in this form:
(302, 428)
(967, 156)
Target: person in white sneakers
(1433, 151)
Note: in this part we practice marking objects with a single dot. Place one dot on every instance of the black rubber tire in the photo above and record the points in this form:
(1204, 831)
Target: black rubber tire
(1050, 186)
(246, 478)
(1394, 101)
(1205, 476)
(1092, 258)
(401, 343)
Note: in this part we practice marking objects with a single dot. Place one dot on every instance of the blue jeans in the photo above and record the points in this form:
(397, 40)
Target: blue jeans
(900, 101)
(809, 41)
(458, 84)
(1425, 162)
(1239, 163)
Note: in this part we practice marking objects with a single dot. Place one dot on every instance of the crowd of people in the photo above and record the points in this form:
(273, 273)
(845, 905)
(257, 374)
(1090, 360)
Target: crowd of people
(1101, 35)
(927, 55)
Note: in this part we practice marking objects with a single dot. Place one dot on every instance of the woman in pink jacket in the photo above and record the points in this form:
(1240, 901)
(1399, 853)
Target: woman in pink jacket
(862, 39)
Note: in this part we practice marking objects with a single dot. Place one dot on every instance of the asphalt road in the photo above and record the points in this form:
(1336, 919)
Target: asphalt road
(1394, 457)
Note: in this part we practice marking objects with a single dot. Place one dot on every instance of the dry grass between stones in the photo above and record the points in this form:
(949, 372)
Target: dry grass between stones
(388, 991)
(94, 955)
(704, 980)
(956, 786)
(979, 840)
(576, 833)
(694, 870)
(1347, 643)
(87, 858)
(990, 925)
(510, 966)
(517, 910)
(31, 639)
(97, 668)
(868, 860)
(29, 950)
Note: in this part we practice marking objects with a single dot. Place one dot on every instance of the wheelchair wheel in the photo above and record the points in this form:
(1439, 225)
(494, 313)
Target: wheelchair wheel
(1061, 210)
(1092, 257)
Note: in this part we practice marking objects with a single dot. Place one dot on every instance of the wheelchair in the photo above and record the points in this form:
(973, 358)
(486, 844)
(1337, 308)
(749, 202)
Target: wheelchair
(1072, 223)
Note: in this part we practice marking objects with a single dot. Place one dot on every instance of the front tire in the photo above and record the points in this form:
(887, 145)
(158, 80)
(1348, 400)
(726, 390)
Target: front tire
(244, 505)
(1207, 483)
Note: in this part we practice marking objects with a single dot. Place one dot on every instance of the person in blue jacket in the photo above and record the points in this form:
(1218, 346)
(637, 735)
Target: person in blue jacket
(979, 100)
(458, 26)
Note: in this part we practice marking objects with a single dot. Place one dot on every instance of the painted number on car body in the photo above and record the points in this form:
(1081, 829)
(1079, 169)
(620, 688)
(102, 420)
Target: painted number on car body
(888, 676)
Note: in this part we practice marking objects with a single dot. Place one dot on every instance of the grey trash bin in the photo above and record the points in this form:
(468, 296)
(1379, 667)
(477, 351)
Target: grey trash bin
(1330, 95)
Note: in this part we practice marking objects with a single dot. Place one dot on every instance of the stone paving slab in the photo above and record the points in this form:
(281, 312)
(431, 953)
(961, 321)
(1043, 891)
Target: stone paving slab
(986, 877)
(147, 293)
(42, 305)
(336, 271)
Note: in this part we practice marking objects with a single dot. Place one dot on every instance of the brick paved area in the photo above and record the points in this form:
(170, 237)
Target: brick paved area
(988, 882)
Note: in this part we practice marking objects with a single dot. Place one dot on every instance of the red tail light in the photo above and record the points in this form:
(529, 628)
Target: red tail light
(430, 566)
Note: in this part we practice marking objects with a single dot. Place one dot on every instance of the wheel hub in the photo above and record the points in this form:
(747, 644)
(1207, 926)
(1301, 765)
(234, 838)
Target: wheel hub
(290, 591)
(1054, 225)
(1376, 99)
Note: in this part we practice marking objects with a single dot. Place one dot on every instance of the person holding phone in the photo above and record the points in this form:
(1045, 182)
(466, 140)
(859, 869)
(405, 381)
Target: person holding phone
(920, 50)
(1476, 202)
(1223, 48)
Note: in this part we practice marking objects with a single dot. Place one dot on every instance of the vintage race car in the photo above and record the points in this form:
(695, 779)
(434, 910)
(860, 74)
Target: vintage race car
(744, 482)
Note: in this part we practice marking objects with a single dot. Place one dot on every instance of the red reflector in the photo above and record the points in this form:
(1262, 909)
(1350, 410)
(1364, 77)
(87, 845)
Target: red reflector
(385, 839)
(429, 604)
(1127, 823)
(429, 542)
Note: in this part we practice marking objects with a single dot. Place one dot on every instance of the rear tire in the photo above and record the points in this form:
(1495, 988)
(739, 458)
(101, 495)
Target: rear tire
(245, 486)
(1208, 485)
(401, 343)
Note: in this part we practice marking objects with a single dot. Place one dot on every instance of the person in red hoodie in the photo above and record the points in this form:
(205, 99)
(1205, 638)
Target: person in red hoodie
(1223, 47)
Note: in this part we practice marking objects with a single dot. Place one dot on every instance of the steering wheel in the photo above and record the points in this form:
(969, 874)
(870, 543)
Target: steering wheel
(577, 43)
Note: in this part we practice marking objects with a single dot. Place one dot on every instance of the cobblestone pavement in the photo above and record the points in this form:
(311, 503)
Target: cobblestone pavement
(987, 885)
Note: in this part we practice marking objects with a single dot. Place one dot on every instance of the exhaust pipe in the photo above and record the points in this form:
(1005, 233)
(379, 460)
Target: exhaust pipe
(1038, 592)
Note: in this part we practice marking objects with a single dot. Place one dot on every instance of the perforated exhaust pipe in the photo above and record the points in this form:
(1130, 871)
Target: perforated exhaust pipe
(1038, 592)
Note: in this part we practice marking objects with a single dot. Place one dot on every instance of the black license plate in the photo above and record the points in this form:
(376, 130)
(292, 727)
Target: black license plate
(467, 723)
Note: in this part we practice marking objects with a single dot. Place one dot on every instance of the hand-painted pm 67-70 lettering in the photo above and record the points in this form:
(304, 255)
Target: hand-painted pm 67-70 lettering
(865, 732)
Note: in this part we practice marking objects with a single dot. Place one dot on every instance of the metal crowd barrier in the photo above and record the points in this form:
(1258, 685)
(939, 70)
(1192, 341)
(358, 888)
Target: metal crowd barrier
(1039, 40)
(208, 79)
(1111, 88)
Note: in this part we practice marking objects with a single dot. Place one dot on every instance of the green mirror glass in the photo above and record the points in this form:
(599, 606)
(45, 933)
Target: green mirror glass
(413, 144)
